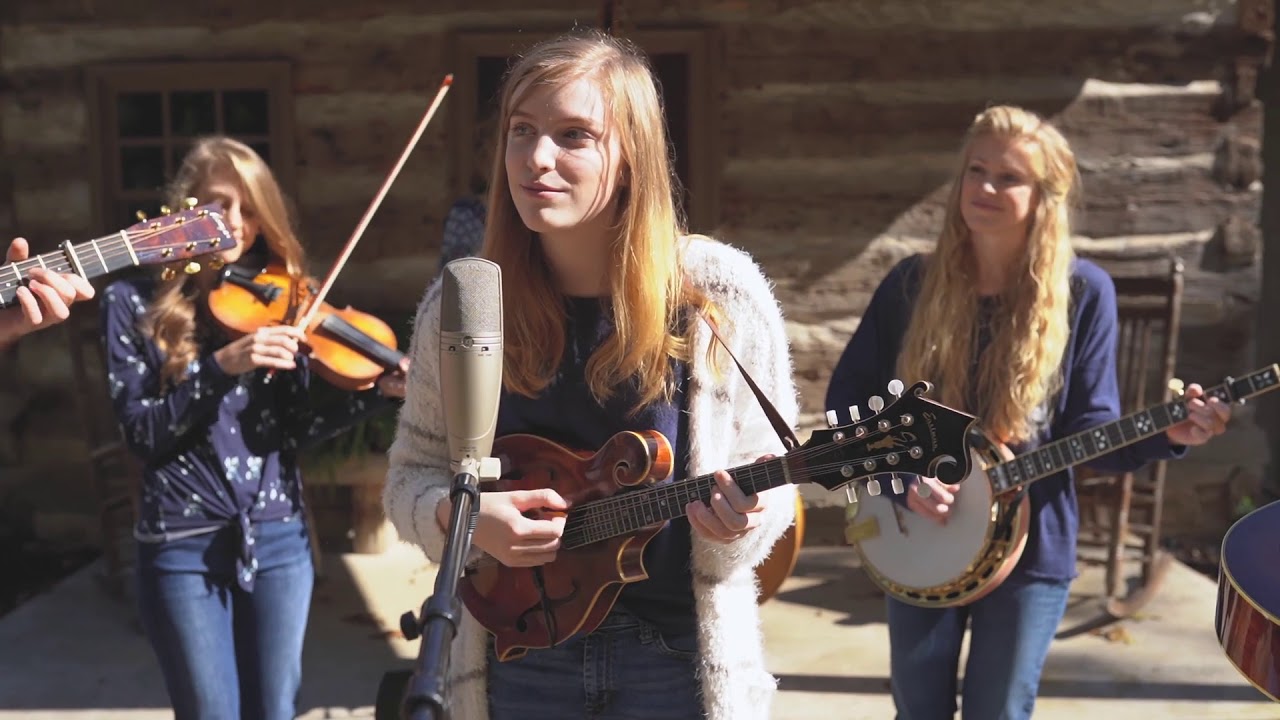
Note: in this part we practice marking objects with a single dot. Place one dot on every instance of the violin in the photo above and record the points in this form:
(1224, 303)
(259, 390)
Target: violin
(348, 348)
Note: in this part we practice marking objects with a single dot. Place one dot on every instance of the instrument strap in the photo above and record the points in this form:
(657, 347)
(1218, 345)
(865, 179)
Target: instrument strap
(785, 434)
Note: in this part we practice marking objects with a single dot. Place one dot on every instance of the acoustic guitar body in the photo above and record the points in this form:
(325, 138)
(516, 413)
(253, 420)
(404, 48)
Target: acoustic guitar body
(1248, 611)
(541, 607)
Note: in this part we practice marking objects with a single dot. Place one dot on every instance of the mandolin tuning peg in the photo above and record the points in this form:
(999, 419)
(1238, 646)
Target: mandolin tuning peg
(895, 483)
(142, 217)
(831, 419)
(190, 202)
(191, 268)
(873, 487)
(1177, 387)
(895, 387)
(854, 413)
(923, 489)
(876, 403)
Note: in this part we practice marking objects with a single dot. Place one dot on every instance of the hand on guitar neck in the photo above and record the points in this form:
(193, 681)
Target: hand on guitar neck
(933, 499)
(44, 301)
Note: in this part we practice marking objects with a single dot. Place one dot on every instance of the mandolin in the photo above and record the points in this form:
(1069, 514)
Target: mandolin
(1248, 610)
(616, 506)
(166, 240)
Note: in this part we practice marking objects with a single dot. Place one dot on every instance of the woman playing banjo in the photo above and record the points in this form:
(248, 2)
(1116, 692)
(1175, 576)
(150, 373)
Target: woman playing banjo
(1014, 328)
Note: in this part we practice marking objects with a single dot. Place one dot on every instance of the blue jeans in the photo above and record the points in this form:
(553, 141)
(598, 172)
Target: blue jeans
(226, 653)
(1012, 629)
(625, 670)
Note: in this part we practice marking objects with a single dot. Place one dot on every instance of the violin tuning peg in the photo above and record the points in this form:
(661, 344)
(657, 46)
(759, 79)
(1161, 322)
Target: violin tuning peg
(142, 217)
(165, 210)
(190, 203)
(855, 413)
(167, 274)
(1177, 386)
(873, 487)
(876, 403)
(895, 387)
(191, 268)
(831, 418)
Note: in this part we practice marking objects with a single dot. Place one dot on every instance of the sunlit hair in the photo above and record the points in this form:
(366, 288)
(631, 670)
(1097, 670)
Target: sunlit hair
(171, 317)
(1021, 368)
(648, 292)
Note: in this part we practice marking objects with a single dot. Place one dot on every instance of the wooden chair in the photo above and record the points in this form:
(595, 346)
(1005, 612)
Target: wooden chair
(114, 472)
(1122, 514)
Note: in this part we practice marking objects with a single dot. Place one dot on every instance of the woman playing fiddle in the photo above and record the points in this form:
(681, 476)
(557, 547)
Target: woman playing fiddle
(224, 561)
(601, 290)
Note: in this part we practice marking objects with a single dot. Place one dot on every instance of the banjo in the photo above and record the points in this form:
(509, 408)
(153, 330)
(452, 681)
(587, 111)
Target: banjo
(927, 564)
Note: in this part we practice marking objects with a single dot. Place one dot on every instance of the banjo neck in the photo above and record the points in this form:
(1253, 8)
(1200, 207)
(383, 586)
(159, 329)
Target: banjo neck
(1095, 442)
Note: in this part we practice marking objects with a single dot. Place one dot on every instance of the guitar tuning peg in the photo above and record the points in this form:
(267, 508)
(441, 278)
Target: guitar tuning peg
(854, 413)
(1177, 386)
(190, 203)
(895, 387)
(167, 274)
(895, 483)
(191, 268)
(831, 418)
(165, 210)
(873, 487)
(142, 217)
(876, 403)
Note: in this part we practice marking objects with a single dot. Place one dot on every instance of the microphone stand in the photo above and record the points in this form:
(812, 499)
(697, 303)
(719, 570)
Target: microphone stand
(437, 624)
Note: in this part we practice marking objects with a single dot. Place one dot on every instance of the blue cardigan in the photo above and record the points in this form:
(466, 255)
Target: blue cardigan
(1089, 397)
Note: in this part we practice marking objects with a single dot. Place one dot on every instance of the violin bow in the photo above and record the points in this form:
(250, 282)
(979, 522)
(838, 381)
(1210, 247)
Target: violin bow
(316, 301)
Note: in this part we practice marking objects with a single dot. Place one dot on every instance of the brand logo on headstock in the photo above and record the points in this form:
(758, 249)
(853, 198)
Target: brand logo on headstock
(931, 422)
(892, 442)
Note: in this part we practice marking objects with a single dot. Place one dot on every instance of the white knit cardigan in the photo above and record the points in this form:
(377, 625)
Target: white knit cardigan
(727, 428)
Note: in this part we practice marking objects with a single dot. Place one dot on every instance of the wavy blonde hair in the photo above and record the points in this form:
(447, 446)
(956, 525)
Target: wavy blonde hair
(171, 317)
(646, 279)
(1021, 368)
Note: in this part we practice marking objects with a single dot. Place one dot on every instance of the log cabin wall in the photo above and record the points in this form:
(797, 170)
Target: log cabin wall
(824, 134)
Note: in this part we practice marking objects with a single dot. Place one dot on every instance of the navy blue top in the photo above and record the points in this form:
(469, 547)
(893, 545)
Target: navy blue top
(565, 412)
(218, 450)
(1089, 397)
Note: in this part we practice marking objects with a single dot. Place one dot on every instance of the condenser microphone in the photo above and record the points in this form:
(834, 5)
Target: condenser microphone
(471, 360)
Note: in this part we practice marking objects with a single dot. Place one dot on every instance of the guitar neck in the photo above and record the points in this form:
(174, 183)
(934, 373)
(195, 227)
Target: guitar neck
(88, 259)
(1093, 443)
(630, 511)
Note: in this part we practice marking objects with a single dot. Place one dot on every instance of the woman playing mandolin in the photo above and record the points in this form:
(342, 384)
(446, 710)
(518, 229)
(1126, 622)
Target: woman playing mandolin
(224, 559)
(601, 290)
(1010, 325)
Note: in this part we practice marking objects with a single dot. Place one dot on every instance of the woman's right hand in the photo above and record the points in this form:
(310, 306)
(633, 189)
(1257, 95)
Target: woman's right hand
(936, 501)
(505, 532)
(273, 346)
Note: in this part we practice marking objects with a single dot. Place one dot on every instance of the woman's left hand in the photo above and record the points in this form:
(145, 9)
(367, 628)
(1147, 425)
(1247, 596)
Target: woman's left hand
(730, 515)
(392, 383)
(1205, 419)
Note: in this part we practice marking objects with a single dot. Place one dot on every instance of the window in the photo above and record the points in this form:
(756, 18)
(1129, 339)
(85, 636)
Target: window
(147, 116)
(681, 60)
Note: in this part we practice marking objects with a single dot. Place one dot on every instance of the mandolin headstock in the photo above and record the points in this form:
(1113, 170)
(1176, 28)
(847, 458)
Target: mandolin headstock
(912, 435)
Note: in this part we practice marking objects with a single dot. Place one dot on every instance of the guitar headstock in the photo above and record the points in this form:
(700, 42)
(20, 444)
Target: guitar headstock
(175, 236)
(912, 435)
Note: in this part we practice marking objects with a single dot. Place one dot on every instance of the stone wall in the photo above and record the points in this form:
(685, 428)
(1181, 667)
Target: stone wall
(839, 123)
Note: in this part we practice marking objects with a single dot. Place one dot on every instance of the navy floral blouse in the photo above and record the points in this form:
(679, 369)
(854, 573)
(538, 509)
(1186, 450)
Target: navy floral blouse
(217, 449)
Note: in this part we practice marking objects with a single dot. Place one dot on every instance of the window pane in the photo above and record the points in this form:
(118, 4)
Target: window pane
(262, 149)
(192, 113)
(142, 167)
(244, 112)
(176, 154)
(140, 114)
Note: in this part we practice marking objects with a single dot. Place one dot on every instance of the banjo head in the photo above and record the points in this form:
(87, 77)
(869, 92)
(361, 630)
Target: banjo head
(918, 553)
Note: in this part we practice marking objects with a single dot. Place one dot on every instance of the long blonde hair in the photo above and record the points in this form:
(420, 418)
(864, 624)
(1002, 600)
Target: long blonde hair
(1021, 368)
(171, 317)
(646, 279)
